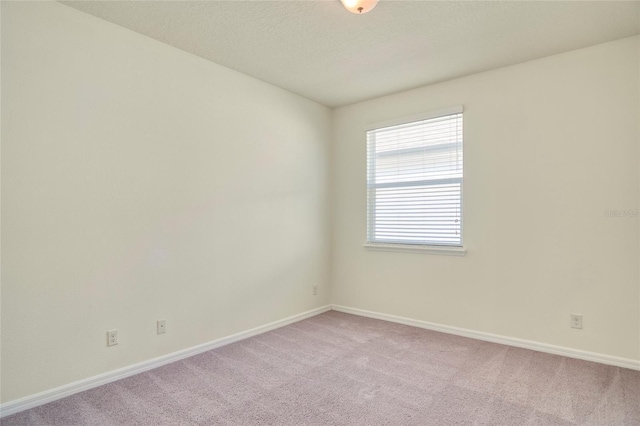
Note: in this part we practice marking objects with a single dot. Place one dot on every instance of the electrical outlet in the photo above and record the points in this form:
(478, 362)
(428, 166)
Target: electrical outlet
(315, 289)
(162, 326)
(112, 337)
(576, 320)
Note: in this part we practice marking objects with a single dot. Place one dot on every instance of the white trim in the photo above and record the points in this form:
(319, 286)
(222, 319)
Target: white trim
(63, 391)
(415, 248)
(458, 109)
(632, 364)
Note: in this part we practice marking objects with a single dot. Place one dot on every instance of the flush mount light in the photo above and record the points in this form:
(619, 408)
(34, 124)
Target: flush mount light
(359, 6)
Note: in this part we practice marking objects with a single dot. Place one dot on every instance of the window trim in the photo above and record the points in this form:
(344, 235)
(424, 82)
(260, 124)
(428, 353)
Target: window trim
(417, 248)
(452, 250)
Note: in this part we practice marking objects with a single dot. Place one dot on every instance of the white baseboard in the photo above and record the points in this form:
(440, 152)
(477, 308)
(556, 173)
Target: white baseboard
(495, 338)
(54, 394)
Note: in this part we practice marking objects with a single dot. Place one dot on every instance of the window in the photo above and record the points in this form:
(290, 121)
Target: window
(414, 181)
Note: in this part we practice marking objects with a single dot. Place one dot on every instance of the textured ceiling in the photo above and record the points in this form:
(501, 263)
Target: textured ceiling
(319, 50)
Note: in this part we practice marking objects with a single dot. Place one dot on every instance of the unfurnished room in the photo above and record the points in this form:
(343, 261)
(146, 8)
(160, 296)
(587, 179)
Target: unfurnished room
(320, 212)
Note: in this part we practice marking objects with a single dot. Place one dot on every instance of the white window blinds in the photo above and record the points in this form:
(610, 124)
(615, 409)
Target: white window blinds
(414, 181)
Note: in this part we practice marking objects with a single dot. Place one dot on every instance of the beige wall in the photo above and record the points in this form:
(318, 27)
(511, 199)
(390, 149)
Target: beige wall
(140, 182)
(549, 145)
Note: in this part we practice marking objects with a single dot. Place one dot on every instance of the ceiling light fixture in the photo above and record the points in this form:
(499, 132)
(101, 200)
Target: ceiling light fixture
(359, 6)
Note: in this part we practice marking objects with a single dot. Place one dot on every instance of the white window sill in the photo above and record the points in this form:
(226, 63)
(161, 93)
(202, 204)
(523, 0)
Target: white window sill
(415, 248)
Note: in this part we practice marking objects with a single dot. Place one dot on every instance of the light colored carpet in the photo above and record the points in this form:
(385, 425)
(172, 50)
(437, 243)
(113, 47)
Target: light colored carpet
(339, 369)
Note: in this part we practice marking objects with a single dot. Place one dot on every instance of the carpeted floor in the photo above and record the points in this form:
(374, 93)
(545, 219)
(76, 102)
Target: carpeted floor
(340, 369)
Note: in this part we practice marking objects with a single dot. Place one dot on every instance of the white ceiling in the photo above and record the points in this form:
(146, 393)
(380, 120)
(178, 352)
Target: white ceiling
(319, 50)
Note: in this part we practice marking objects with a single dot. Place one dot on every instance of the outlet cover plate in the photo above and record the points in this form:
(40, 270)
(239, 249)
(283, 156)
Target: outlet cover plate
(576, 321)
(112, 337)
(162, 326)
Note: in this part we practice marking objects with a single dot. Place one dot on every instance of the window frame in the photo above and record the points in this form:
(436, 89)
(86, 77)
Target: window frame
(447, 249)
